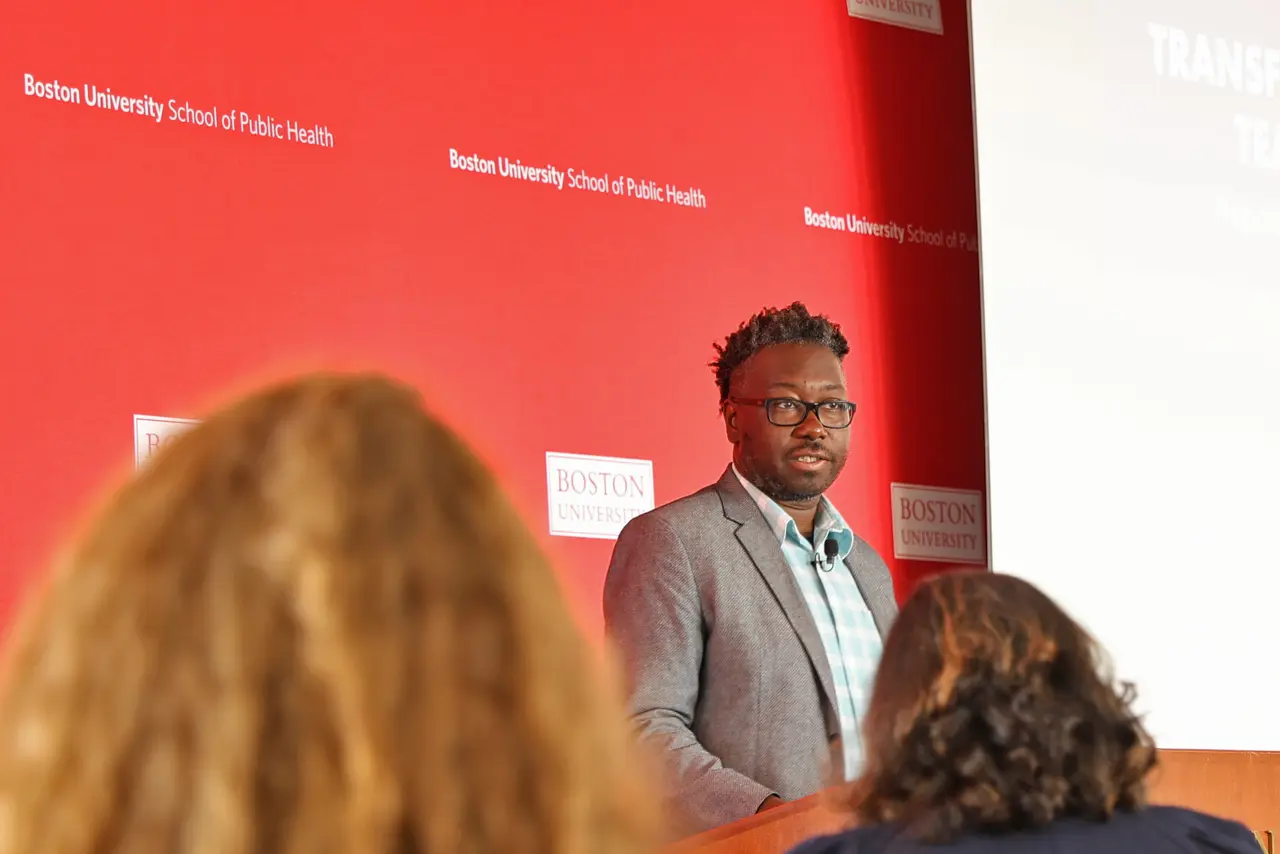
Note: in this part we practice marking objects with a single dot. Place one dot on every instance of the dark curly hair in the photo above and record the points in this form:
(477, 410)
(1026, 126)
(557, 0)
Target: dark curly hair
(791, 325)
(994, 711)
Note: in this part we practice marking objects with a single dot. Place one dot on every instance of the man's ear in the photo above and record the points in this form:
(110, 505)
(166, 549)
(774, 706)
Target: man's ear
(730, 413)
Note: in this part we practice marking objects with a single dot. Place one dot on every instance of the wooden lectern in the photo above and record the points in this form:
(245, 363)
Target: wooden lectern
(1236, 785)
(771, 832)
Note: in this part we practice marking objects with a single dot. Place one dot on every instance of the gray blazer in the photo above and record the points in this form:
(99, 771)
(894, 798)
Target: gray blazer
(728, 679)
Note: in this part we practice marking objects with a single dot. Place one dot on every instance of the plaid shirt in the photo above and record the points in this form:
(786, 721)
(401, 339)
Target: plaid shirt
(845, 624)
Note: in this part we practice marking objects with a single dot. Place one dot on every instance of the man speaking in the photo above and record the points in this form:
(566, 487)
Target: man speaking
(748, 616)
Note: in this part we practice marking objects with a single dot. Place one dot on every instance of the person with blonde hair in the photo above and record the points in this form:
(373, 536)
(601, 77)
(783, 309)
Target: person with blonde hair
(995, 726)
(312, 624)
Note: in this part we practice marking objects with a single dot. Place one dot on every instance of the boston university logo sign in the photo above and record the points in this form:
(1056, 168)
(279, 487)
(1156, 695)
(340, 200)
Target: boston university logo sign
(153, 432)
(923, 15)
(594, 497)
(939, 524)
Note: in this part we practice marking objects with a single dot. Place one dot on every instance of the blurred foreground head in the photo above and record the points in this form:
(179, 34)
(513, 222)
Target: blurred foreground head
(313, 624)
(994, 711)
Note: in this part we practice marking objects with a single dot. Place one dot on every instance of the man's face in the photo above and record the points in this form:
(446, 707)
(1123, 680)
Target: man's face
(779, 460)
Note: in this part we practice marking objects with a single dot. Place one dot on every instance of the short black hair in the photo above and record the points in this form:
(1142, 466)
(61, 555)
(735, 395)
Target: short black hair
(791, 325)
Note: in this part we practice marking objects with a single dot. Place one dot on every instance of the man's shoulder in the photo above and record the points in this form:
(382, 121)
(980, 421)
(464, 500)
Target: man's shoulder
(705, 501)
(682, 516)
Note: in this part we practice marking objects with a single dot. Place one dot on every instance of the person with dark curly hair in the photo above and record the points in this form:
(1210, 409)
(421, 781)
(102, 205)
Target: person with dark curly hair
(996, 726)
(749, 616)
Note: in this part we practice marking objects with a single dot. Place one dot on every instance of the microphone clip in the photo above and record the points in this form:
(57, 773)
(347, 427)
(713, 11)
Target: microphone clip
(832, 550)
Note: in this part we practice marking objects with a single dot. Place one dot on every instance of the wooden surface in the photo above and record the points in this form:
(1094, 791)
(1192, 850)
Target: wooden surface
(1240, 786)
(777, 830)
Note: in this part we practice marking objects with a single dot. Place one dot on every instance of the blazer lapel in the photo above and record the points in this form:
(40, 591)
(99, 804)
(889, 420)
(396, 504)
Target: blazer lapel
(875, 584)
(766, 553)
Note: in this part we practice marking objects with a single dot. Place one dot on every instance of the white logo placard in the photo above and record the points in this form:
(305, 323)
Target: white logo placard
(923, 15)
(595, 497)
(153, 432)
(936, 523)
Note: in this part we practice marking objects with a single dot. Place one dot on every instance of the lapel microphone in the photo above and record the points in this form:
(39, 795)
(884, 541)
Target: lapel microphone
(832, 549)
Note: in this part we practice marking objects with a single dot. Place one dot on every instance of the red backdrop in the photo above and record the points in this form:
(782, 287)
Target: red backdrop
(149, 266)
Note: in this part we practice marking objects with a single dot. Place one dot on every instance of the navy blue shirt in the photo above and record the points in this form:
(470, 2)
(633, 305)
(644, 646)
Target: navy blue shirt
(1155, 830)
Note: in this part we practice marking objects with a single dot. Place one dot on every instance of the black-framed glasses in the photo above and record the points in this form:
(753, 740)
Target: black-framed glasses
(789, 412)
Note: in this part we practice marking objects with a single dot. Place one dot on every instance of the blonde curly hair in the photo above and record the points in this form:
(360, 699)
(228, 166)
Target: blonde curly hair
(313, 624)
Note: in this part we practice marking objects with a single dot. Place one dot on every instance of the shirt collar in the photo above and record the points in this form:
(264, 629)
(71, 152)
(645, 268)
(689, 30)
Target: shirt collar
(828, 523)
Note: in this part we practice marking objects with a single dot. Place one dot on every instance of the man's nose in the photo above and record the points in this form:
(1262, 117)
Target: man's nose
(810, 427)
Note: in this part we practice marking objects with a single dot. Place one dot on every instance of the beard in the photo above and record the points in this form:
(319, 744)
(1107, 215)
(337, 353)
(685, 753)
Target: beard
(782, 493)
(798, 489)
